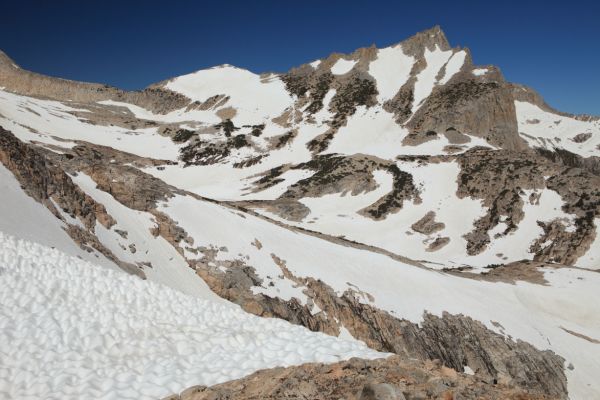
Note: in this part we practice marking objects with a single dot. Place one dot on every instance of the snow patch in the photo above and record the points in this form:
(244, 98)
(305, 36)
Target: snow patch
(391, 70)
(168, 266)
(256, 99)
(32, 119)
(426, 79)
(342, 66)
(453, 66)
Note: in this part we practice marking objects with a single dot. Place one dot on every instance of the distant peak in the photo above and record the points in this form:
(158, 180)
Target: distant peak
(6, 61)
(223, 66)
(429, 39)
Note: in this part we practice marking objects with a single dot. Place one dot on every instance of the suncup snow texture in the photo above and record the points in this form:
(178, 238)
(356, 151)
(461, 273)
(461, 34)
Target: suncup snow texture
(71, 330)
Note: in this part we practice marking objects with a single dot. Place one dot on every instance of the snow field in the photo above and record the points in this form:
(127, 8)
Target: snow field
(373, 131)
(32, 119)
(426, 79)
(453, 65)
(437, 185)
(342, 66)
(254, 97)
(71, 330)
(531, 312)
(547, 130)
(168, 267)
(391, 70)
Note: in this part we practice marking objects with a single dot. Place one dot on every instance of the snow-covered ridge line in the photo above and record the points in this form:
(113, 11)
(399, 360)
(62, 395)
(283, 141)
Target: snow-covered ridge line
(70, 329)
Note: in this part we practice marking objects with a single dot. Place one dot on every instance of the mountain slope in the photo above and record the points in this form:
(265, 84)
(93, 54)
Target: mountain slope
(403, 196)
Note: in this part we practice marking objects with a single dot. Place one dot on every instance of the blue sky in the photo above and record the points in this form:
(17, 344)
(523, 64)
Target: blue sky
(552, 46)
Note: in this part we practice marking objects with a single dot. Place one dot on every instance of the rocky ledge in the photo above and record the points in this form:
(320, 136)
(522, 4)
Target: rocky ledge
(385, 379)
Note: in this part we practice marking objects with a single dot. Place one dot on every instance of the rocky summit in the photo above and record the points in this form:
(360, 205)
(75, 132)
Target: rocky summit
(401, 200)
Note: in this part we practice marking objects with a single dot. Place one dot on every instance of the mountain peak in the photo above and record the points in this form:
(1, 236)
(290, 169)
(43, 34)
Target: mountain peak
(429, 38)
(6, 61)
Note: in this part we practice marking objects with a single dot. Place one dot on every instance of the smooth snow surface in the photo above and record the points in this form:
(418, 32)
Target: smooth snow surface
(337, 215)
(391, 70)
(373, 131)
(254, 97)
(531, 312)
(453, 66)
(73, 330)
(480, 71)
(342, 66)
(426, 79)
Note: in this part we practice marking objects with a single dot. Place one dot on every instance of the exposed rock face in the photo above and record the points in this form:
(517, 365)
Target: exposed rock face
(568, 159)
(581, 192)
(481, 106)
(340, 174)
(116, 173)
(48, 184)
(15, 79)
(393, 378)
(201, 153)
(427, 39)
(401, 104)
(358, 89)
(526, 271)
(499, 179)
(427, 224)
(525, 93)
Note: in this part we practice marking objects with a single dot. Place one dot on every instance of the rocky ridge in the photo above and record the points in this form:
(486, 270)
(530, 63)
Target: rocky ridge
(394, 378)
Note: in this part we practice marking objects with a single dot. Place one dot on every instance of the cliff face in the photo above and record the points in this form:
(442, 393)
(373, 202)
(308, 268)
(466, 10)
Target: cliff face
(482, 105)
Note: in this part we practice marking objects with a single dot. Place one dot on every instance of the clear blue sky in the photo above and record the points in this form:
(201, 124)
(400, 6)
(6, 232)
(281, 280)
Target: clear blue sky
(553, 47)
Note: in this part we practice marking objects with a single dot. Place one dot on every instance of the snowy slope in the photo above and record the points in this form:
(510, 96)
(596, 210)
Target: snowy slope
(32, 119)
(23, 217)
(337, 214)
(166, 265)
(547, 130)
(427, 78)
(342, 66)
(391, 70)
(255, 98)
(530, 312)
(73, 330)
